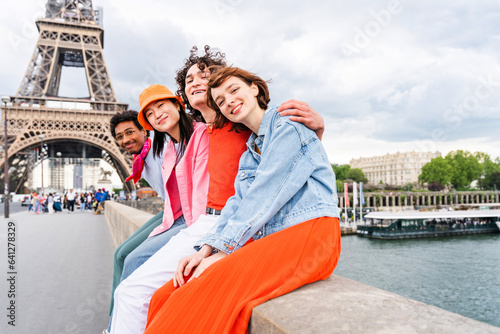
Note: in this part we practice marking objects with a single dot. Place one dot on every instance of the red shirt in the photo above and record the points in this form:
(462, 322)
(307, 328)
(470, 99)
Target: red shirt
(225, 150)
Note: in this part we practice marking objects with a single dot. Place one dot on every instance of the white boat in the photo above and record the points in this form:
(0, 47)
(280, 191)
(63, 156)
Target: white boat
(416, 224)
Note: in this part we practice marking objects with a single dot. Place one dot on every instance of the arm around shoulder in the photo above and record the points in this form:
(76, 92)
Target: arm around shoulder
(301, 112)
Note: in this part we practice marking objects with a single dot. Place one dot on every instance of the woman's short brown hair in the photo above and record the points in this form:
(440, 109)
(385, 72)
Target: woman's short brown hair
(220, 74)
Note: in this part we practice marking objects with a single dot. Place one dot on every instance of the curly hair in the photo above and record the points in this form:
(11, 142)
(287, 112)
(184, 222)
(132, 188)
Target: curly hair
(125, 116)
(210, 58)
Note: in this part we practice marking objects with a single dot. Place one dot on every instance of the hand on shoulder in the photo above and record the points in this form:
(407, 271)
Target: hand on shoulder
(301, 112)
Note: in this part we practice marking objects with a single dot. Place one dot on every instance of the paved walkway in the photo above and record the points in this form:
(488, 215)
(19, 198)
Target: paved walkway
(63, 273)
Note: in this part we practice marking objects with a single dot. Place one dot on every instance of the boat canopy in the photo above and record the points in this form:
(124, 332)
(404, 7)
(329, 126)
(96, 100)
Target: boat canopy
(433, 214)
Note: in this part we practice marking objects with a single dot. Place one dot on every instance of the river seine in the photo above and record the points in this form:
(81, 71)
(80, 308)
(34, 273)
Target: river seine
(459, 274)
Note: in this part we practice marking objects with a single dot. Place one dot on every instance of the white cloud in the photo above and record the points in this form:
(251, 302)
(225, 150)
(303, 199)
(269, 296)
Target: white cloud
(411, 77)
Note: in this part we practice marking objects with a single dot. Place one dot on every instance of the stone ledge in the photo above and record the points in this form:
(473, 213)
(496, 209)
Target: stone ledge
(341, 305)
(336, 305)
(123, 220)
(346, 230)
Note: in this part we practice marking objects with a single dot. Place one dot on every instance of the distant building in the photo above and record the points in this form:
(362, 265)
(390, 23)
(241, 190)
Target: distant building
(142, 193)
(394, 169)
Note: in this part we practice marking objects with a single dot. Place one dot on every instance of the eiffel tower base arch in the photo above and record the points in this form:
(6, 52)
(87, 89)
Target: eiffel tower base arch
(29, 127)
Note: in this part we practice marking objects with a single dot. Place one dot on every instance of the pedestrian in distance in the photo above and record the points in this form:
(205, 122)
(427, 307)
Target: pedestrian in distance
(70, 196)
(57, 203)
(50, 203)
(32, 202)
(83, 202)
(37, 204)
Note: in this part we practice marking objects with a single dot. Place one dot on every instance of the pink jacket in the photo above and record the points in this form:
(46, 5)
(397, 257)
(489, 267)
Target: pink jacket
(192, 178)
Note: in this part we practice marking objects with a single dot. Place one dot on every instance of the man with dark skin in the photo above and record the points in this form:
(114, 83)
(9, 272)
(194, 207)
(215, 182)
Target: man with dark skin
(132, 137)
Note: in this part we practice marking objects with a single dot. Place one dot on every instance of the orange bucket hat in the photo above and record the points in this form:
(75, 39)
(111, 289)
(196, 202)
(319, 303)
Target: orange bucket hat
(151, 94)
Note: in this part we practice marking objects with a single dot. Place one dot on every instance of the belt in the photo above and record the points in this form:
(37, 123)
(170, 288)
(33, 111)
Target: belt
(211, 211)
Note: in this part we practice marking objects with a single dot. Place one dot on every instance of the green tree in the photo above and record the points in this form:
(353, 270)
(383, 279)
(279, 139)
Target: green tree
(465, 168)
(491, 170)
(409, 187)
(494, 180)
(356, 175)
(438, 171)
(341, 171)
(340, 186)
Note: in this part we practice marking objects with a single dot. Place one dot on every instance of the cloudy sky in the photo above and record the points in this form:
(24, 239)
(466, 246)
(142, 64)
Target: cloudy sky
(386, 76)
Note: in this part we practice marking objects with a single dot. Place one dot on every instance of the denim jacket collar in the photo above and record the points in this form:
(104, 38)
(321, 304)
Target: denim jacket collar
(258, 139)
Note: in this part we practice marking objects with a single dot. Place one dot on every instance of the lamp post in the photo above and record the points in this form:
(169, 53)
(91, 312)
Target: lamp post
(5, 100)
(41, 156)
(59, 170)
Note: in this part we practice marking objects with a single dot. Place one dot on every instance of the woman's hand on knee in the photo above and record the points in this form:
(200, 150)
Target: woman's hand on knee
(205, 263)
(185, 265)
(189, 262)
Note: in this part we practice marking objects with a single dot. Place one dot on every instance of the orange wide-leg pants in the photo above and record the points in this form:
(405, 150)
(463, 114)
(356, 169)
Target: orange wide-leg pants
(222, 298)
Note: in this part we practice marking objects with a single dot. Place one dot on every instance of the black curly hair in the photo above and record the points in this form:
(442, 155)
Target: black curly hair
(210, 58)
(125, 116)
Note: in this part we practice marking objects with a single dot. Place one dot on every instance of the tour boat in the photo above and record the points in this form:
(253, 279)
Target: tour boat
(417, 224)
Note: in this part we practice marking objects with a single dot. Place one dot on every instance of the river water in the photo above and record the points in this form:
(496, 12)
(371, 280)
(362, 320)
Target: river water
(459, 274)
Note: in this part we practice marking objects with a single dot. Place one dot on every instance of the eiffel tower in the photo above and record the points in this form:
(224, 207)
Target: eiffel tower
(73, 130)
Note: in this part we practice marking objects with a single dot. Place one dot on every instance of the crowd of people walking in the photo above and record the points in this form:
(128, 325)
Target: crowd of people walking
(54, 202)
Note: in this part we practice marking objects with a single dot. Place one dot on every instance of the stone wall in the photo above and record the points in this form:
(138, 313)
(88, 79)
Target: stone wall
(123, 220)
(151, 205)
(336, 305)
(341, 305)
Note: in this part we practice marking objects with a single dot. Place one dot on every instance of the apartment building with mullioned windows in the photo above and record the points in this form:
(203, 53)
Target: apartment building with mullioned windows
(394, 169)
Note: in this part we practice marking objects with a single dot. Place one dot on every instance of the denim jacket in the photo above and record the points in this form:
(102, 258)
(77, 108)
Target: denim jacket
(290, 182)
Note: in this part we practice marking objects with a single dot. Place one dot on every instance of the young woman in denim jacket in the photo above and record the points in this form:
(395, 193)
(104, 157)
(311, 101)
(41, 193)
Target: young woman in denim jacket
(184, 146)
(278, 232)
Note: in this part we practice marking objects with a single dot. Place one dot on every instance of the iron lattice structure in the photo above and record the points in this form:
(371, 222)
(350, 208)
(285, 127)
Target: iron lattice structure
(69, 36)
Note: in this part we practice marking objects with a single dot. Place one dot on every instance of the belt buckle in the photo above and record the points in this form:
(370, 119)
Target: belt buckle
(211, 211)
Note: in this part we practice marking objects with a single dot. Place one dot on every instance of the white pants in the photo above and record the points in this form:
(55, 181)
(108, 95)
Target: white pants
(132, 296)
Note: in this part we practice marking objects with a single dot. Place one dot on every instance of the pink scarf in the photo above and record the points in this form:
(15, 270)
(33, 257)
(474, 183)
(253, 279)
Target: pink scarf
(138, 162)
